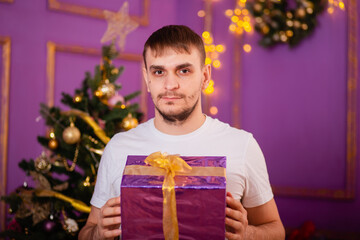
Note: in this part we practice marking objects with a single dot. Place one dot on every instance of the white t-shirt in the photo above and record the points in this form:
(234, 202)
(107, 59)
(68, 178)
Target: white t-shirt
(246, 174)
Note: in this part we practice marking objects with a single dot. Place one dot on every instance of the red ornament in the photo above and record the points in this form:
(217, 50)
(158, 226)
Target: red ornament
(14, 226)
(307, 229)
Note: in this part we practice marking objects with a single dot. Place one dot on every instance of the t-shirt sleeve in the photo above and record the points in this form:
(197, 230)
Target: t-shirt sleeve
(258, 189)
(102, 191)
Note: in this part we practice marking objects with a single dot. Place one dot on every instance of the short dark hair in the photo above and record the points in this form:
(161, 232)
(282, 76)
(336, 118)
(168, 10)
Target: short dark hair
(178, 37)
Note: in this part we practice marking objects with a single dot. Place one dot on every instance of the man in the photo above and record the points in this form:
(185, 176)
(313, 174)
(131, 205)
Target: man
(175, 76)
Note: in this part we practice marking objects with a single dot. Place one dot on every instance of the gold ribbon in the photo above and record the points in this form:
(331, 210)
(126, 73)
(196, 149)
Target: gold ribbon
(169, 166)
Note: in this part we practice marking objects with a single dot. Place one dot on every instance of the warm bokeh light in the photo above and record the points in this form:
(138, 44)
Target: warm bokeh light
(333, 4)
(212, 50)
(237, 12)
(207, 61)
(201, 13)
(220, 48)
(216, 64)
(239, 31)
(341, 5)
(77, 99)
(213, 110)
(235, 19)
(206, 34)
(52, 134)
(232, 27)
(246, 19)
(210, 88)
(289, 33)
(240, 21)
(229, 12)
(247, 48)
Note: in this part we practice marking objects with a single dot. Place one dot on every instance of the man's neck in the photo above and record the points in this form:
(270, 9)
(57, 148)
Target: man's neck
(192, 123)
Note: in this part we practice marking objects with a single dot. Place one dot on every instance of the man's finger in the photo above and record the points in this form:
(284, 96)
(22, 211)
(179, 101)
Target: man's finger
(234, 214)
(231, 236)
(236, 225)
(235, 204)
(111, 211)
(111, 221)
(113, 201)
(112, 233)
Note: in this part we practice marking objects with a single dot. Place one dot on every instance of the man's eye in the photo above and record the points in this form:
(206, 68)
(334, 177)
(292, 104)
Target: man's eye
(184, 71)
(158, 72)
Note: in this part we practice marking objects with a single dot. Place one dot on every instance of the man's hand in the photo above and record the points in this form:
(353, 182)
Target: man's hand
(110, 219)
(103, 223)
(236, 221)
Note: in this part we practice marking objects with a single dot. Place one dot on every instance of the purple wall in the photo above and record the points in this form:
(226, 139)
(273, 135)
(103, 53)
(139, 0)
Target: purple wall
(292, 100)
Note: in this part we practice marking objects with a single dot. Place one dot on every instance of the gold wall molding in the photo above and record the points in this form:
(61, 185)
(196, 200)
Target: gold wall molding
(5, 42)
(236, 82)
(57, 5)
(348, 192)
(53, 48)
(6, 1)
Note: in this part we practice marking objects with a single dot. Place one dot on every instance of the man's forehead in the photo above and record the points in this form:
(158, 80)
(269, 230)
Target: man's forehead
(170, 56)
(158, 53)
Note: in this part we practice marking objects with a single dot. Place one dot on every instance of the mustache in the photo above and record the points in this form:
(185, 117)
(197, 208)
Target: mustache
(171, 94)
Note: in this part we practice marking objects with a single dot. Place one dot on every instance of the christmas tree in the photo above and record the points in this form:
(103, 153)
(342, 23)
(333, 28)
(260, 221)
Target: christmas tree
(65, 173)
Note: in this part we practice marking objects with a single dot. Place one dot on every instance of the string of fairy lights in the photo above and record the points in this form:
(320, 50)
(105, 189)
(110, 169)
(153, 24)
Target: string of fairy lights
(243, 21)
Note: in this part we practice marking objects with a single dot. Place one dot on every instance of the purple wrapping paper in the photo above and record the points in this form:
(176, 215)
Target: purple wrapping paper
(200, 203)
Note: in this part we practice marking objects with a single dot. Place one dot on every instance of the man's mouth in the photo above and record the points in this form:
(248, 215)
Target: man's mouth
(170, 97)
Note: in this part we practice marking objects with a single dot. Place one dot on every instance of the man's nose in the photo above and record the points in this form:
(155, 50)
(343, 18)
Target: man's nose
(171, 82)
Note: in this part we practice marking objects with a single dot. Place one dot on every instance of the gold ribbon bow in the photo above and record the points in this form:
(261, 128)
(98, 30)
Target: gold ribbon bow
(172, 164)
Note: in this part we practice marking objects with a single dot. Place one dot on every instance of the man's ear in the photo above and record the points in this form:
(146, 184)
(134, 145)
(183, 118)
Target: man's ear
(146, 79)
(206, 76)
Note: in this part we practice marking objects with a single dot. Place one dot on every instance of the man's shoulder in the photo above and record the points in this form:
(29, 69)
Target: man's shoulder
(220, 127)
(138, 132)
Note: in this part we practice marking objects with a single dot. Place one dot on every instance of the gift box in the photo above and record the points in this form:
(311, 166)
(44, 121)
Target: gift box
(199, 200)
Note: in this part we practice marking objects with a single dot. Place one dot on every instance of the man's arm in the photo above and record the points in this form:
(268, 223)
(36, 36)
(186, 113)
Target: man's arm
(103, 223)
(262, 222)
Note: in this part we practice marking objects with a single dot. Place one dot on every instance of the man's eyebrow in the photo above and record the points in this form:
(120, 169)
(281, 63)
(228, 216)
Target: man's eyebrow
(184, 65)
(156, 67)
(161, 67)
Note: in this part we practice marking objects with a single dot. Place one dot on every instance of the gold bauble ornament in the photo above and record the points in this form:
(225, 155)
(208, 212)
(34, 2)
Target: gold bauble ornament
(129, 122)
(71, 134)
(107, 89)
(42, 163)
(53, 143)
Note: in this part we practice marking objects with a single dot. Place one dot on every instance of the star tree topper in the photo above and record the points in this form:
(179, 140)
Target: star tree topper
(119, 25)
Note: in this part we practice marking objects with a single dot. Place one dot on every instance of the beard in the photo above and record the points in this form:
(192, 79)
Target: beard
(176, 117)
